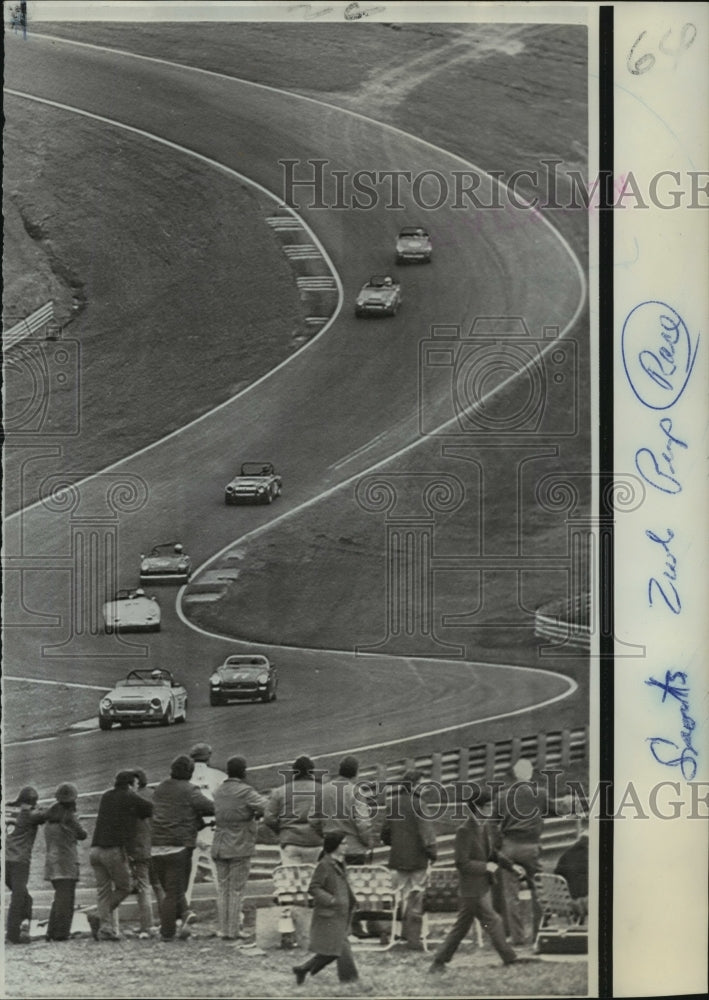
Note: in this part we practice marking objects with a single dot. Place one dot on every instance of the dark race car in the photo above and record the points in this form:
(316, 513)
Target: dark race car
(257, 482)
(243, 678)
(413, 244)
(144, 696)
(165, 564)
(380, 296)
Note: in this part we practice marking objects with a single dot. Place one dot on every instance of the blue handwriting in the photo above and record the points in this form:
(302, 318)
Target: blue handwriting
(687, 757)
(660, 472)
(658, 354)
(665, 588)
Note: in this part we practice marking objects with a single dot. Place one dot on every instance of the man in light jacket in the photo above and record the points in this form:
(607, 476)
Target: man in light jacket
(287, 812)
(342, 811)
(237, 807)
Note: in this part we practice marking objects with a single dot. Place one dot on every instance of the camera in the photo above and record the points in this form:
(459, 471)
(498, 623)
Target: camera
(42, 388)
(497, 380)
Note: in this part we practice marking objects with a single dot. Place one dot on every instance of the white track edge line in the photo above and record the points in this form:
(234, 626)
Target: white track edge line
(333, 107)
(242, 178)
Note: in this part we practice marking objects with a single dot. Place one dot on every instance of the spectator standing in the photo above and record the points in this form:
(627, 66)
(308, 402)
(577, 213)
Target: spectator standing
(178, 808)
(208, 779)
(287, 812)
(22, 818)
(332, 914)
(475, 871)
(62, 832)
(340, 810)
(521, 809)
(237, 807)
(118, 811)
(139, 855)
(412, 842)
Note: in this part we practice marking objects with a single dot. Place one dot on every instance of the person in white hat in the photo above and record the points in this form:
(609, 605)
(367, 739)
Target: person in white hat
(208, 779)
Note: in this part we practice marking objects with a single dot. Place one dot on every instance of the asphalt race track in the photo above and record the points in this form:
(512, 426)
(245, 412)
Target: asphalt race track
(306, 417)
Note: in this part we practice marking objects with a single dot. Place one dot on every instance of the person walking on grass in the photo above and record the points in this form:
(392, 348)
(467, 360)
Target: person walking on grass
(475, 872)
(62, 832)
(332, 915)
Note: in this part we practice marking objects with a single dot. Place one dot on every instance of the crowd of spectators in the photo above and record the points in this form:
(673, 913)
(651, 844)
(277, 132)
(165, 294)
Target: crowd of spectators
(149, 841)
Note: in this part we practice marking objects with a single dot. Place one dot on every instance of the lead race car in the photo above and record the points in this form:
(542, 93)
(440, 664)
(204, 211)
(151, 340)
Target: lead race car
(144, 696)
(413, 244)
(380, 296)
(132, 611)
(257, 482)
(166, 566)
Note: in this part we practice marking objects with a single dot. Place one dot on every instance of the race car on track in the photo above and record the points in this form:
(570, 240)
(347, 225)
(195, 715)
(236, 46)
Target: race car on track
(257, 482)
(132, 611)
(380, 296)
(413, 244)
(243, 678)
(144, 696)
(164, 566)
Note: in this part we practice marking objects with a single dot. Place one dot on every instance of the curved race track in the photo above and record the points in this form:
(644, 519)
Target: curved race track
(306, 417)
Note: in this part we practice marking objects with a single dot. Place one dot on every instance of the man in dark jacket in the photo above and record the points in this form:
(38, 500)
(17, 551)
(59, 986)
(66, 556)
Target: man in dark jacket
(475, 870)
(178, 808)
(412, 839)
(22, 819)
(118, 811)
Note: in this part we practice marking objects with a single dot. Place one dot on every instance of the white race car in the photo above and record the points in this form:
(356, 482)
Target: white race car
(132, 611)
(144, 696)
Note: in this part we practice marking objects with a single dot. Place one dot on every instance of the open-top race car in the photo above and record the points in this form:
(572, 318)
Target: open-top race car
(132, 611)
(166, 562)
(257, 482)
(380, 296)
(413, 243)
(144, 696)
(243, 677)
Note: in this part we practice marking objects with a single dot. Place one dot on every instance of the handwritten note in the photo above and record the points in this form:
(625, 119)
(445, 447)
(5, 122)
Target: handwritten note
(659, 354)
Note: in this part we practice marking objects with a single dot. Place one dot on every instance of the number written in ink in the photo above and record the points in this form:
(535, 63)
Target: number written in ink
(638, 64)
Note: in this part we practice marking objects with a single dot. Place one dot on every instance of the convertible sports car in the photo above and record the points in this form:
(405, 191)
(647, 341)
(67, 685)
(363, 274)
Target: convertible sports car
(257, 482)
(144, 696)
(242, 678)
(380, 296)
(161, 565)
(413, 243)
(132, 611)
